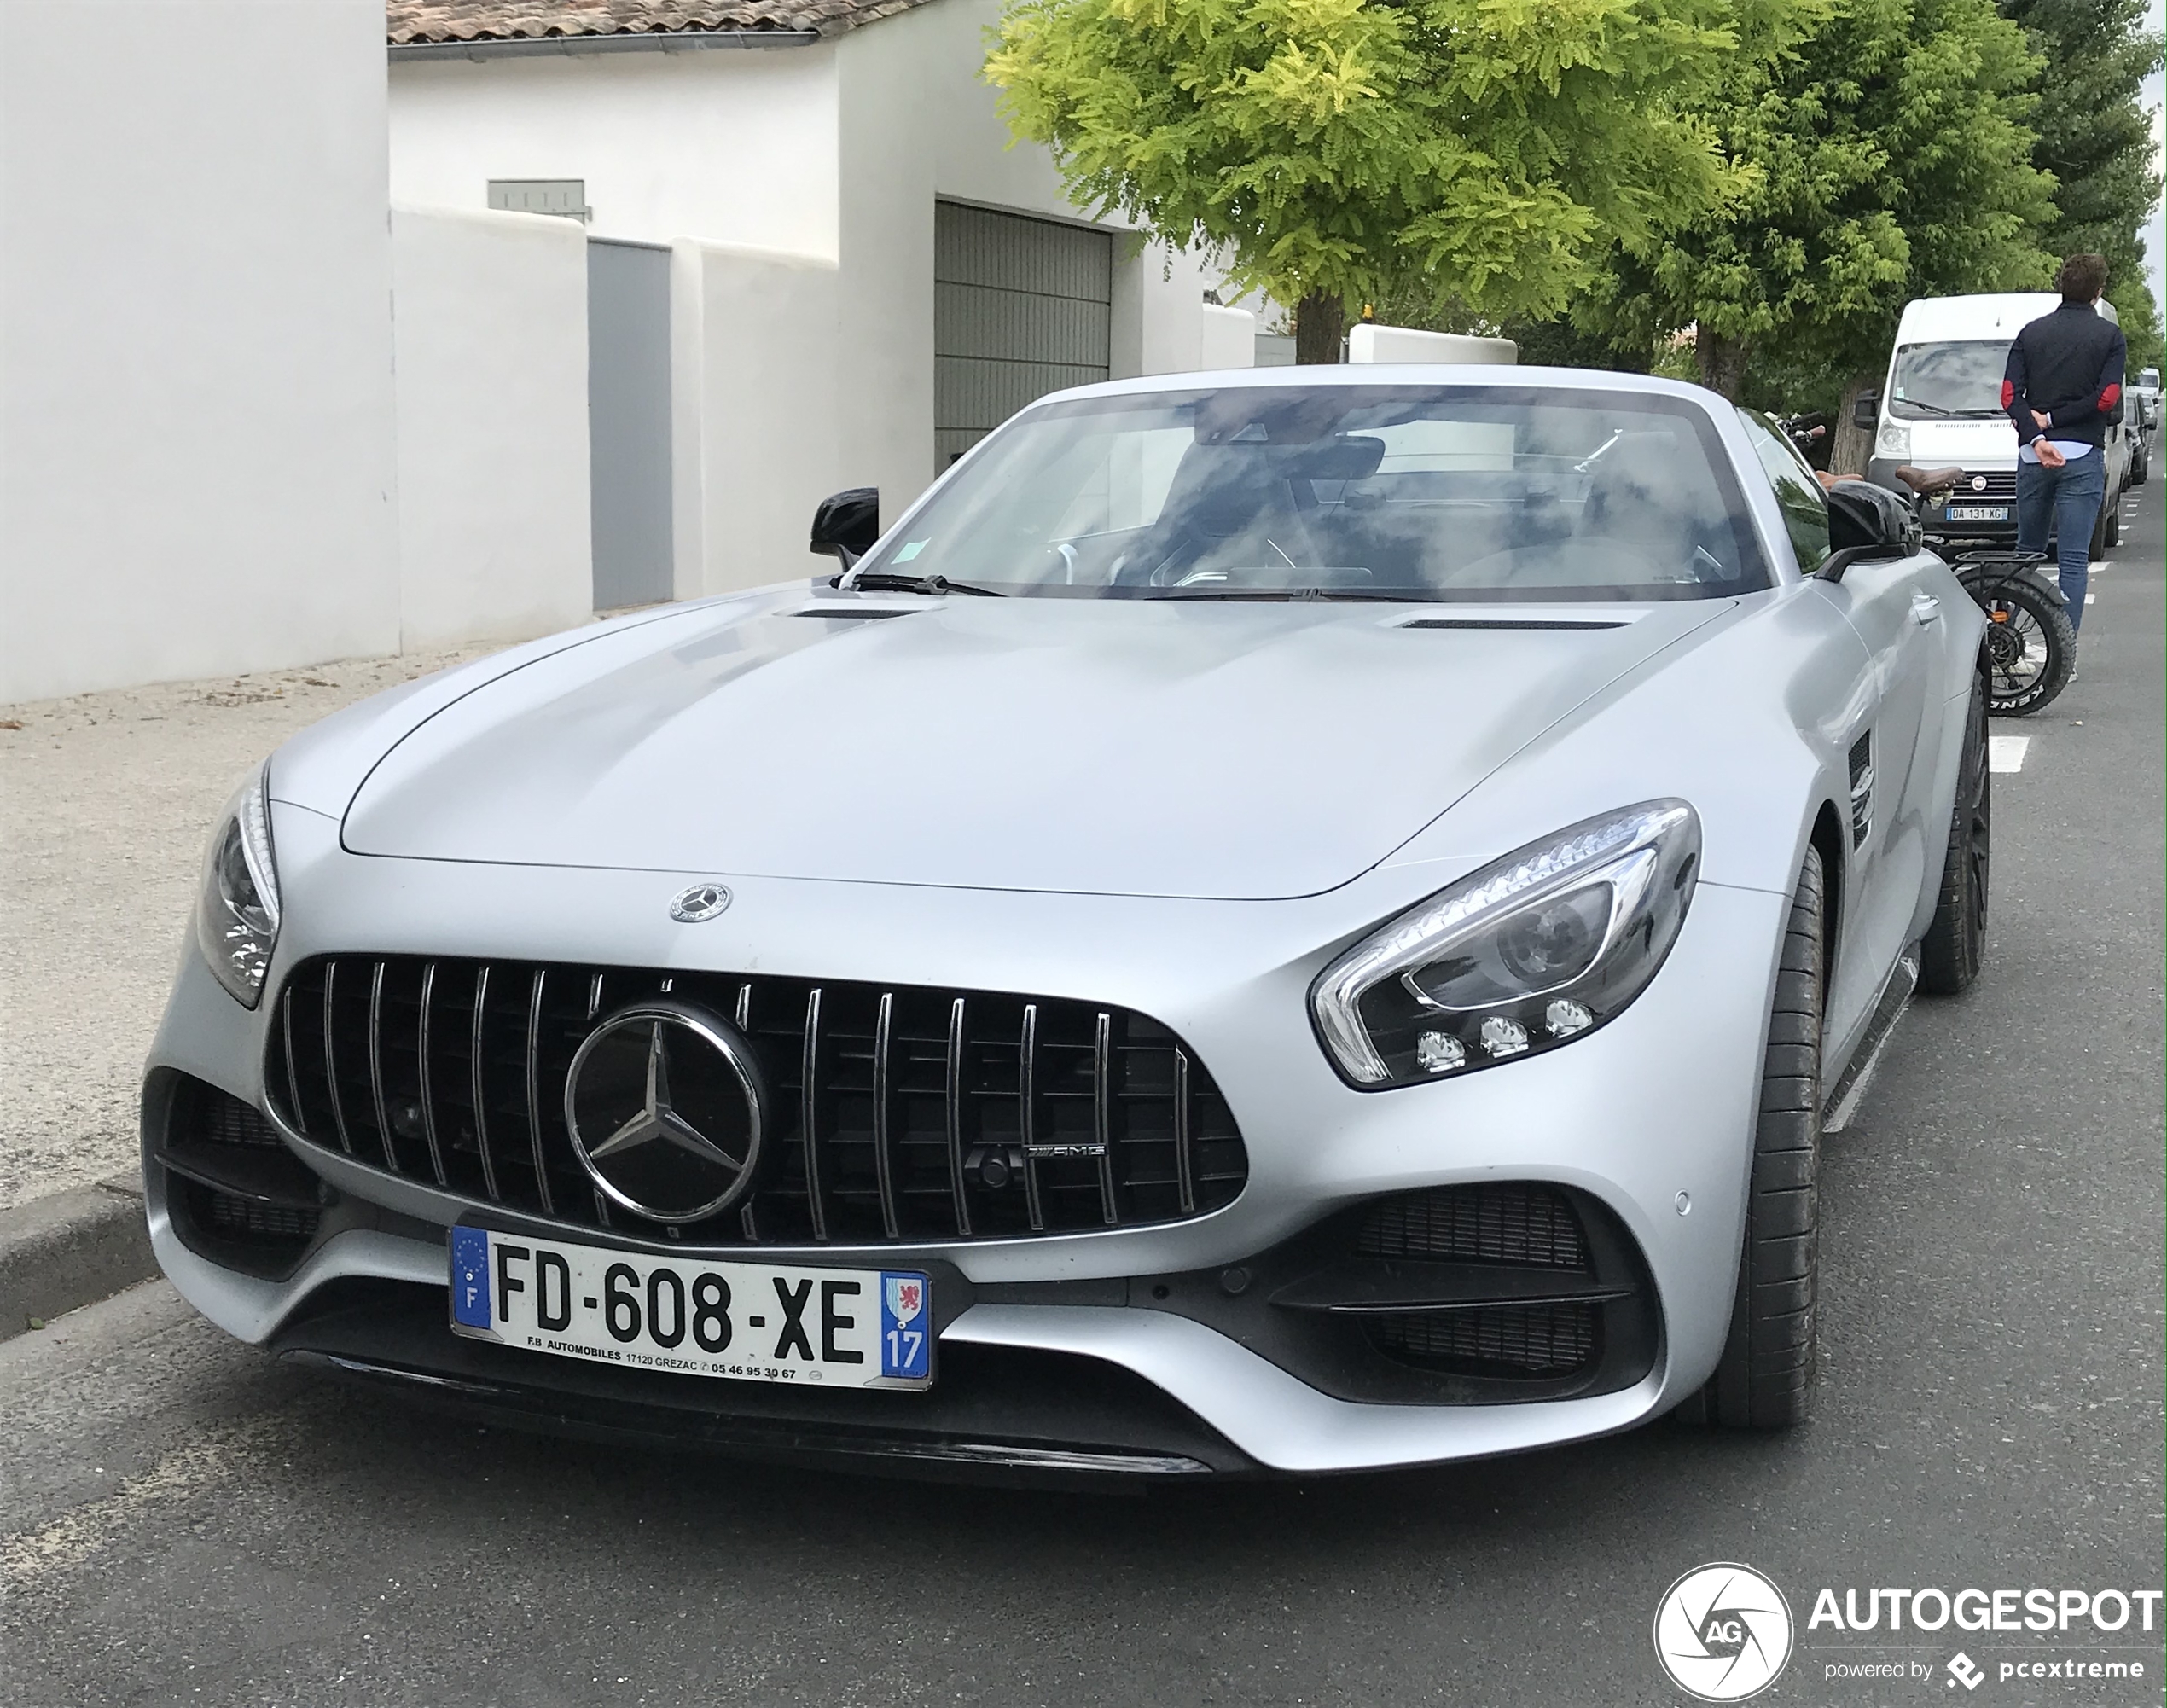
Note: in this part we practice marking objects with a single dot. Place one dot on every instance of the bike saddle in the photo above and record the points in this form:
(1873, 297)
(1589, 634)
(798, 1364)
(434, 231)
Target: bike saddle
(1929, 479)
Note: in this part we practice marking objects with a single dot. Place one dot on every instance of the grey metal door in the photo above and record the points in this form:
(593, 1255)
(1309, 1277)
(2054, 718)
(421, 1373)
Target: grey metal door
(1021, 307)
(628, 421)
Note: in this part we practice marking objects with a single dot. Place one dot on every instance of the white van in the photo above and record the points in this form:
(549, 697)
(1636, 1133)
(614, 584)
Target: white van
(1940, 405)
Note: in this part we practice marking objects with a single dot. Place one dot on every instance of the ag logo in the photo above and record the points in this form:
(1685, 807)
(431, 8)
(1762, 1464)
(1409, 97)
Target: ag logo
(1722, 1633)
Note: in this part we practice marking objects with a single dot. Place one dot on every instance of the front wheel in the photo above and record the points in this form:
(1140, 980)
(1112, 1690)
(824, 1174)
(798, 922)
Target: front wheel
(2030, 647)
(1766, 1377)
(1956, 941)
(2113, 535)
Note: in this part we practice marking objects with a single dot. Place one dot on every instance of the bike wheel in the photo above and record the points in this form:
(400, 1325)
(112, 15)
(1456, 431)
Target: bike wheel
(2031, 648)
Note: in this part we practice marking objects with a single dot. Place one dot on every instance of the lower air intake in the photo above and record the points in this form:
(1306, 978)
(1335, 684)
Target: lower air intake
(1537, 1340)
(1512, 1223)
(235, 1189)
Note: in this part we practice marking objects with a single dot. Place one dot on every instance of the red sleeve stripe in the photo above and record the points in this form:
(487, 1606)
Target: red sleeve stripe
(2108, 398)
(2008, 394)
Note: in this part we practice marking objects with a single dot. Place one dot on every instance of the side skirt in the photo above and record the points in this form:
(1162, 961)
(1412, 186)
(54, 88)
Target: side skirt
(1888, 1009)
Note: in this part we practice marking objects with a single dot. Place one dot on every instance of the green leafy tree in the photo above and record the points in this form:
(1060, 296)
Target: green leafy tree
(1893, 161)
(1332, 148)
(2093, 137)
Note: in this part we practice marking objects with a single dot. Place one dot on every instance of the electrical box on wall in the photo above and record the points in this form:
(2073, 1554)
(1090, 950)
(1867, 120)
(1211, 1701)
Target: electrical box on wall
(566, 197)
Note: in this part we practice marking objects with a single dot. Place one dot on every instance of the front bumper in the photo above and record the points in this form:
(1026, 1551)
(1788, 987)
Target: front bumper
(1651, 1117)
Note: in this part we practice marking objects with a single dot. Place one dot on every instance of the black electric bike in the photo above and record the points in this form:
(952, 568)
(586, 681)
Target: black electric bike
(2030, 643)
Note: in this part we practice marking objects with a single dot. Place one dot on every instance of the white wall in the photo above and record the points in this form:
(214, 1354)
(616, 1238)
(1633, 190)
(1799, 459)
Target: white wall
(490, 317)
(1367, 341)
(724, 144)
(758, 411)
(1229, 337)
(828, 161)
(196, 469)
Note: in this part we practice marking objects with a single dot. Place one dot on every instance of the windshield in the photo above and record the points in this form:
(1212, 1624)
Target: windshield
(1343, 492)
(2148, 378)
(1938, 380)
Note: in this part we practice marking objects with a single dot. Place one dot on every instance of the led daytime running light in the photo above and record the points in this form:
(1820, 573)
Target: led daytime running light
(1640, 851)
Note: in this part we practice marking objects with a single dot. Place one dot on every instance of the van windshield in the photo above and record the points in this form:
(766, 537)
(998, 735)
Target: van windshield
(1962, 378)
(1342, 491)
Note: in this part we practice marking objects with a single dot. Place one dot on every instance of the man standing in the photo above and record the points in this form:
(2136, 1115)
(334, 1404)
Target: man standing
(2062, 388)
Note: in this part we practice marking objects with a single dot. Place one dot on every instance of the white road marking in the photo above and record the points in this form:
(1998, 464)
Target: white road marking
(2091, 599)
(2005, 753)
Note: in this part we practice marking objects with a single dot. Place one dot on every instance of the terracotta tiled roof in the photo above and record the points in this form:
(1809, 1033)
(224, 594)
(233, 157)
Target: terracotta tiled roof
(414, 21)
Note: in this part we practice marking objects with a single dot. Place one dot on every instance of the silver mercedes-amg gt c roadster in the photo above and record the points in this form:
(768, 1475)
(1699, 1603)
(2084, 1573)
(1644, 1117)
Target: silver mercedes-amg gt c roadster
(1273, 922)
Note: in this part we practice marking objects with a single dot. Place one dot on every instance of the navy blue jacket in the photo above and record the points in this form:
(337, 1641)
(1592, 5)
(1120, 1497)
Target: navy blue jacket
(2068, 366)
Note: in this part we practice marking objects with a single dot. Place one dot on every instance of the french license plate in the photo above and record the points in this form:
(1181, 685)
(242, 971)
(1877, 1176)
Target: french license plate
(1979, 513)
(770, 1322)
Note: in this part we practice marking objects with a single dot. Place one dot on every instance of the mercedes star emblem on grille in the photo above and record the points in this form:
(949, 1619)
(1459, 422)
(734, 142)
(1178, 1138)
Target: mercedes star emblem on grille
(664, 1105)
(701, 901)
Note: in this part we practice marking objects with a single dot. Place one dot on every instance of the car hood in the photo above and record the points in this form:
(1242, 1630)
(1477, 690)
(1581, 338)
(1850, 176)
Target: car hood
(1203, 750)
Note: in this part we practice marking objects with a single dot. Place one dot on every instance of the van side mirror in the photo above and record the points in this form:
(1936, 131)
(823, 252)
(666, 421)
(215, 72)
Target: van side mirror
(1866, 521)
(1865, 410)
(847, 524)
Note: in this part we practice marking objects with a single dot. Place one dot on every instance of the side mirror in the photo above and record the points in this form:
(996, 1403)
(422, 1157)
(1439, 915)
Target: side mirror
(847, 524)
(1865, 410)
(1867, 521)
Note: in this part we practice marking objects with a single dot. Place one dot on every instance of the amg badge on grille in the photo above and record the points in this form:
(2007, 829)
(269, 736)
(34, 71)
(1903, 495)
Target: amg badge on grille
(664, 1104)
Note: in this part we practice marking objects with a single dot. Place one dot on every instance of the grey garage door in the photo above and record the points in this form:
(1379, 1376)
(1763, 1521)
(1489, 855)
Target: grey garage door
(1021, 307)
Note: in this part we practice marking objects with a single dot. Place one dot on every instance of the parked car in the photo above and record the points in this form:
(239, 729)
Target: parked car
(1287, 922)
(2144, 424)
(2145, 393)
(1940, 406)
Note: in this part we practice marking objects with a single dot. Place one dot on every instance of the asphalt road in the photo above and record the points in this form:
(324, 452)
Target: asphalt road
(187, 1524)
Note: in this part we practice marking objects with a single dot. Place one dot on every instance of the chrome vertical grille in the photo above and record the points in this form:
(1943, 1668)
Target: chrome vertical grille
(898, 1112)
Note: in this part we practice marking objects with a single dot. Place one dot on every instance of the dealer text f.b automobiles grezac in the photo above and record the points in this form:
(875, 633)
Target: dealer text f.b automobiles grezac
(1986, 1610)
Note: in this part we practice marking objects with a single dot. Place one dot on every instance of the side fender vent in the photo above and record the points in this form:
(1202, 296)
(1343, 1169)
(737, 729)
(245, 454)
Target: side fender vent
(1861, 788)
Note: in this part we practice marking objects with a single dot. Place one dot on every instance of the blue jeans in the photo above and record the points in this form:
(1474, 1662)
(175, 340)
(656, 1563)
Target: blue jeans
(2064, 503)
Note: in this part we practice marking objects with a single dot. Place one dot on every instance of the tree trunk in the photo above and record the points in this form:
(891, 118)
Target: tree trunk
(1320, 324)
(1723, 362)
(1853, 445)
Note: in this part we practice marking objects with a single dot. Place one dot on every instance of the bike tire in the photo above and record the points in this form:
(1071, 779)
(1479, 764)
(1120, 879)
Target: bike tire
(2008, 701)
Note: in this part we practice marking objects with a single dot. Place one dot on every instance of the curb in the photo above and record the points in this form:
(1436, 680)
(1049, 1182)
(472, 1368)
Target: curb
(71, 1249)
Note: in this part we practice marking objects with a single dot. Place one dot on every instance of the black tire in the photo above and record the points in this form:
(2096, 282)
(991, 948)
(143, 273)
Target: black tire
(2031, 647)
(2110, 536)
(1956, 942)
(1766, 1377)
(2098, 546)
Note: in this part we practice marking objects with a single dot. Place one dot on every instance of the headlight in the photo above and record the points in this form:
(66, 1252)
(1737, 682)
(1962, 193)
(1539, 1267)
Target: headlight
(1894, 440)
(237, 916)
(1522, 956)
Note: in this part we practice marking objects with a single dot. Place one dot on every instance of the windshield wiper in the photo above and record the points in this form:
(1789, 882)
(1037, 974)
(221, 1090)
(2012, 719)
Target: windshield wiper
(1931, 408)
(886, 581)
